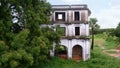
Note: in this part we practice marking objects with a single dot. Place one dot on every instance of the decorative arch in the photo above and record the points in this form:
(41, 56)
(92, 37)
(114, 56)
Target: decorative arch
(77, 52)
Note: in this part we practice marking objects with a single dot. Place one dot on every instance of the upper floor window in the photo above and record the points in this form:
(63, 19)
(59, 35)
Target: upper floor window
(77, 16)
(77, 30)
(60, 16)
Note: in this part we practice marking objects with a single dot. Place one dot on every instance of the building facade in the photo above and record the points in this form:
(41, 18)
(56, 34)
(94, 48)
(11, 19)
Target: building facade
(74, 20)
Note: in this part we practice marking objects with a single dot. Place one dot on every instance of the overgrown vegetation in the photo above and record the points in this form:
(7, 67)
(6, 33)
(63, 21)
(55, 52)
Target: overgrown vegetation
(117, 31)
(94, 26)
(23, 44)
(107, 40)
(111, 42)
(98, 60)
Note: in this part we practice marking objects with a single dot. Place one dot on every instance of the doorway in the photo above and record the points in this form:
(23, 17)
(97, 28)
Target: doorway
(77, 52)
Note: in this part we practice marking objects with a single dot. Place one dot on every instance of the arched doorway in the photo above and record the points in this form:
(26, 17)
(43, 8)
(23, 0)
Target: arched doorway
(61, 51)
(77, 52)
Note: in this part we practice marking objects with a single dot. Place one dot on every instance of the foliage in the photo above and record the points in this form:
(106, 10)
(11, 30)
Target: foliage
(111, 42)
(107, 30)
(16, 55)
(16, 28)
(23, 44)
(20, 40)
(104, 36)
(5, 22)
(60, 49)
(94, 26)
(98, 60)
(93, 23)
(60, 30)
(107, 40)
(117, 31)
(3, 47)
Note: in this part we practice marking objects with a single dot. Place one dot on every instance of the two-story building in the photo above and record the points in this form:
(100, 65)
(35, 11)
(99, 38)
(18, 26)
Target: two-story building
(74, 20)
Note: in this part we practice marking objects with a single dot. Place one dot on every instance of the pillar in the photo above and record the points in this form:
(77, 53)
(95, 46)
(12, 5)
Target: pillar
(69, 49)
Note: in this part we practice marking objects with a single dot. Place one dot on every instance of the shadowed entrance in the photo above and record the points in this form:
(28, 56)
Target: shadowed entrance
(61, 51)
(77, 52)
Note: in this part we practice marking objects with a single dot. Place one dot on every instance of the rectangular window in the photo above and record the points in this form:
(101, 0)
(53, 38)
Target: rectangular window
(77, 16)
(77, 30)
(60, 16)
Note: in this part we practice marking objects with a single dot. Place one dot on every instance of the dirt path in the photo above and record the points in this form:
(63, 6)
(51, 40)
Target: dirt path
(115, 54)
(110, 52)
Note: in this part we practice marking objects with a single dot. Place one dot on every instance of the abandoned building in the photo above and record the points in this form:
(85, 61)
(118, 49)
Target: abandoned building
(74, 20)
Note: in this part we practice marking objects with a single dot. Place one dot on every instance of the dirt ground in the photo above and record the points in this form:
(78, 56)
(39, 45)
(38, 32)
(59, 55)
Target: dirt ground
(110, 52)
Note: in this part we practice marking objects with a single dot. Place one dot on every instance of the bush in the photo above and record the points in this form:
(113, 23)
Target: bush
(117, 31)
(111, 42)
(98, 60)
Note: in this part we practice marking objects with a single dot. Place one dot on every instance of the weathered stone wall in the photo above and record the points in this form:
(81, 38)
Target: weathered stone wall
(83, 43)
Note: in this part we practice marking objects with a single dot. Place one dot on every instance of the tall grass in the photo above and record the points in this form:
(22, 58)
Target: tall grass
(111, 42)
(98, 60)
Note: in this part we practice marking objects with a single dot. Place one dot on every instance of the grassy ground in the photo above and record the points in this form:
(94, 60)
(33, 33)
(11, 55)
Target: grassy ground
(108, 42)
(98, 58)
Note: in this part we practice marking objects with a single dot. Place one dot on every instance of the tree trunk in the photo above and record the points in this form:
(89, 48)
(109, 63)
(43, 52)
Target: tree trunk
(92, 45)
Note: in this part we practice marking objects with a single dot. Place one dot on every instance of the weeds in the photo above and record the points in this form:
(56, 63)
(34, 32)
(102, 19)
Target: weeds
(98, 60)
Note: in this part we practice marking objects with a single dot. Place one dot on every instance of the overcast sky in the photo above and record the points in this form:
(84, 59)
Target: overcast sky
(106, 11)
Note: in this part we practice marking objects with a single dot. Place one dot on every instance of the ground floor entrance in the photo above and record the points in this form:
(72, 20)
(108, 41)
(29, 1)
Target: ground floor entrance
(77, 52)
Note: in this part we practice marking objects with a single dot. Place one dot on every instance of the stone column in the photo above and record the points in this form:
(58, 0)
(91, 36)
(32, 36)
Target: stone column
(69, 49)
(66, 16)
(84, 50)
(54, 16)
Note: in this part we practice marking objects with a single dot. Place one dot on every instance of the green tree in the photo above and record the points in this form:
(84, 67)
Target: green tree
(5, 22)
(94, 26)
(25, 44)
(15, 54)
(117, 31)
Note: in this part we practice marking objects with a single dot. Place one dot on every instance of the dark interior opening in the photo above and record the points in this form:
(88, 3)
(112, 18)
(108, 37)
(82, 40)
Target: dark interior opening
(77, 16)
(62, 14)
(61, 51)
(77, 30)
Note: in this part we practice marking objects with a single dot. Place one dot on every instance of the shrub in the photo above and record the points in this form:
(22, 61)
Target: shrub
(111, 42)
